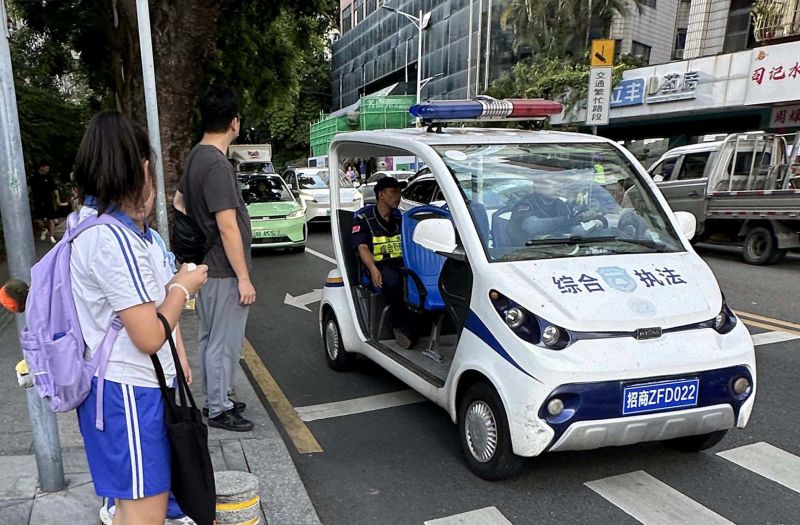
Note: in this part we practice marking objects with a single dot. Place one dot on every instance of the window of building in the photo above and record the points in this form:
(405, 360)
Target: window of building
(680, 44)
(640, 50)
(372, 6)
(617, 49)
(358, 12)
(739, 32)
(648, 3)
(347, 19)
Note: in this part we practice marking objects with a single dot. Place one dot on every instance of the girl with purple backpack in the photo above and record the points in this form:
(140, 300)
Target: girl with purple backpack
(116, 271)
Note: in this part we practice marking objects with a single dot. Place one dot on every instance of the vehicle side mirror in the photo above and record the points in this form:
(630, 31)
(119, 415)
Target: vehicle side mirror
(437, 235)
(687, 223)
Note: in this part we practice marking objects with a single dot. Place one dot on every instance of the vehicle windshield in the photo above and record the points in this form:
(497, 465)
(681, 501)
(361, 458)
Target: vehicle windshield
(319, 181)
(255, 167)
(538, 201)
(264, 189)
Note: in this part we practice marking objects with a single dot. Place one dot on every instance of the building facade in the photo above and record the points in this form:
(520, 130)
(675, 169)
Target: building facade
(464, 48)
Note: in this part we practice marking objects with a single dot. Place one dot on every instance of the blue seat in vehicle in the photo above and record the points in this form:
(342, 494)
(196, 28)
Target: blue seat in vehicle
(422, 266)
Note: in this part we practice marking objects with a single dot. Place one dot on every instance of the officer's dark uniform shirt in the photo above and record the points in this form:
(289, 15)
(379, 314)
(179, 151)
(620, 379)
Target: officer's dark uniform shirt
(382, 237)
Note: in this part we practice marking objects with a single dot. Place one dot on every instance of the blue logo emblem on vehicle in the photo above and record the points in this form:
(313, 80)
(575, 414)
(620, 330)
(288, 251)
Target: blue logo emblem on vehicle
(617, 278)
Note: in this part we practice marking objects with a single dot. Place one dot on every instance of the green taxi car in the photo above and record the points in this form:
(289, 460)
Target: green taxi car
(277, 219)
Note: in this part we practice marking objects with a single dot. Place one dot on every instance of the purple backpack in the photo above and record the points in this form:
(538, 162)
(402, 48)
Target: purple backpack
(52, 340)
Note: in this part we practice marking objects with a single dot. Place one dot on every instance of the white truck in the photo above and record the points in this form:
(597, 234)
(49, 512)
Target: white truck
(743, 189)
(251, 158)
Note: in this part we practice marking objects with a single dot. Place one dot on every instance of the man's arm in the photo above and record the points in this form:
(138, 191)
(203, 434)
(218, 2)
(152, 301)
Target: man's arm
(234, 250)
(369, 261)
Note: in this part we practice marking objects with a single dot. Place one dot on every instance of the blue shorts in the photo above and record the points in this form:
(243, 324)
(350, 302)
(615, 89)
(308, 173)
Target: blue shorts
(130, 458)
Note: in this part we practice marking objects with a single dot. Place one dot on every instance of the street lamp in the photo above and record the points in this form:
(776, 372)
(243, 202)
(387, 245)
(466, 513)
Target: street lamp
(420, 22)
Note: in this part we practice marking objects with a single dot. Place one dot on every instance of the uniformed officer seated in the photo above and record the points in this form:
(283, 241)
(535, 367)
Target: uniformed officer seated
(376, 240)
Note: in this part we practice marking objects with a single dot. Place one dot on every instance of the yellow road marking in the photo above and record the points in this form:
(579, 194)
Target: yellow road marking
(770, 327)
(302, 438)
(767, 319)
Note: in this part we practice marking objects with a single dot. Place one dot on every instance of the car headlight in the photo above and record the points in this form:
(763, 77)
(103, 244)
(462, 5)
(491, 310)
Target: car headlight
(527, 326)
(725, 321)
(296, 214)
(307, 198)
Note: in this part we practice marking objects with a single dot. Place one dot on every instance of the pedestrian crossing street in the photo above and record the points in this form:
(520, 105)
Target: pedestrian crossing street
(653, 502)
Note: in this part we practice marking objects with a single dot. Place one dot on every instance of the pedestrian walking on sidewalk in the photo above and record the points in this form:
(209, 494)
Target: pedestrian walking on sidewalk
(117, 270)
(211, 196)
(46, 200)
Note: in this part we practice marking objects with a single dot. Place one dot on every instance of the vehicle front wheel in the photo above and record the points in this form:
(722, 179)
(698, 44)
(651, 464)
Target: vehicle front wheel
(761, 247)
(484, 434)
(696, 443)
(338, 358)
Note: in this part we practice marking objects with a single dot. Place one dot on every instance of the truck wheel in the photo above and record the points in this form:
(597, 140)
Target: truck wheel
(484, 435)
(761, 247)
(338, 358)
(696, 443)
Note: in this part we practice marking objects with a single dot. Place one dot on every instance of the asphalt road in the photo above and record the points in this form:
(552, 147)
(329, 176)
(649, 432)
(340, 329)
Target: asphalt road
(403, 465)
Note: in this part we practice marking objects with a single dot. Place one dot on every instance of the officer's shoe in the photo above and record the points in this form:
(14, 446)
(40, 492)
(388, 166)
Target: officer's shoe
(231, 420)
(404, 339)
(238, 407)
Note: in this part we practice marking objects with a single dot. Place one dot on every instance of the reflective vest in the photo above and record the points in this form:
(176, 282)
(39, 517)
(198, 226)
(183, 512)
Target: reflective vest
(385, 244)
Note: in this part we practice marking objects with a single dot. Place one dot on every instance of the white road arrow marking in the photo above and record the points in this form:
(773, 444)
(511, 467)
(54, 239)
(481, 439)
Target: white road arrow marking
(302, 301)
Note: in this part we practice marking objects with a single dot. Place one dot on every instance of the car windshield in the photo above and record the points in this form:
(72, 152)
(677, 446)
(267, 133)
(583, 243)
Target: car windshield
(538, 201)
(264, 189)
(255, 167)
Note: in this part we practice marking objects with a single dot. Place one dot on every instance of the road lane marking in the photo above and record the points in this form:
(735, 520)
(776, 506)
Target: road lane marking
(359, 405)
(652, 501)
(487, 516)
(766, 460)
(767, 338)
(320, 255)
(778, 322)
(302, 438)
(770, 327)
(302, 301)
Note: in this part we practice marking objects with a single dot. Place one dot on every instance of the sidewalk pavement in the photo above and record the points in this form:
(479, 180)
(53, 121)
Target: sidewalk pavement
(284, 500)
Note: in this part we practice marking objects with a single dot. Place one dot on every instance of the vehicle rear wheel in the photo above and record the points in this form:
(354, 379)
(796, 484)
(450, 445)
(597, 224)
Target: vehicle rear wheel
(696, 443)
(484, 434)
(338, 358)
(761, 247)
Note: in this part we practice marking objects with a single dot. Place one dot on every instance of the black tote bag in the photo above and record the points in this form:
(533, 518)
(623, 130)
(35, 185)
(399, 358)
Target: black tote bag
(192, 472)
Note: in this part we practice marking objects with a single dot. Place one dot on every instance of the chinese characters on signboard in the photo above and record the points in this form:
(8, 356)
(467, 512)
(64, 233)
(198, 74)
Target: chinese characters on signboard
(654, 90)
(774, 74)
(785, 117)
(599, 95)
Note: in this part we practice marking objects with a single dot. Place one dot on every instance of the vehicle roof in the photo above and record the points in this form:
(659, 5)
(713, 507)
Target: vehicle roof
(694, 148)
(305, 169)
(456, 135)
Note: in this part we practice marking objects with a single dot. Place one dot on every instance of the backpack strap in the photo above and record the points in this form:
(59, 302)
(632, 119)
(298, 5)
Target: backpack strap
(88, 222)
(99, 363)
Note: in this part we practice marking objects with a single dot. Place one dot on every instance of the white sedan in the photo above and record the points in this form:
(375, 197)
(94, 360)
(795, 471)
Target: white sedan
(311, 187)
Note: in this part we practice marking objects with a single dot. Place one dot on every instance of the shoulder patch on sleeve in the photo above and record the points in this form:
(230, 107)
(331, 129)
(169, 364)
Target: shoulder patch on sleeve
(356, 228)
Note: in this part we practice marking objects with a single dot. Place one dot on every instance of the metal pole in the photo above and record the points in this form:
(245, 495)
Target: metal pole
(419, 64)
(469, 50)
(18, 233)
(478, 58)
(151, 102)
(488, 48)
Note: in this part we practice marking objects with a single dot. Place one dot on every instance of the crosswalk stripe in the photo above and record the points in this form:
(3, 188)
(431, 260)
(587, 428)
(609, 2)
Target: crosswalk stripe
(766, 338)
(486, 516)
(652, 501)
(359, 405)
(769, 461)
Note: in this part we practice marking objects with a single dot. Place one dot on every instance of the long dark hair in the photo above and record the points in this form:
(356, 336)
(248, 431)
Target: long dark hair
(108, 164)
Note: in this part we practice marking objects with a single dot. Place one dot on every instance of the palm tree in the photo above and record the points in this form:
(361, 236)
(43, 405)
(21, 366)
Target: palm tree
(560, 28)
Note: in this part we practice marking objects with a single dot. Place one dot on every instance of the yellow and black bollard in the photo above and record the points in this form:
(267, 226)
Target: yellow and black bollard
(238, 502)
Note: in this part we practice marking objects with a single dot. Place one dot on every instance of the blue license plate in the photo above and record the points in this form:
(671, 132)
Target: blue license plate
(660, 396)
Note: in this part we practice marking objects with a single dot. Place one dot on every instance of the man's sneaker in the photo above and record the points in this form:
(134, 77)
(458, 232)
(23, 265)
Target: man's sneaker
(231, 420)
(107, 512)
(53, 240)
(43, 235)
(403, 339)
(238, 407)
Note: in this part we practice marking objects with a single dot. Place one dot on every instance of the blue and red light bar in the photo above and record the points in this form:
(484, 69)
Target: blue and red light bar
(485, 108)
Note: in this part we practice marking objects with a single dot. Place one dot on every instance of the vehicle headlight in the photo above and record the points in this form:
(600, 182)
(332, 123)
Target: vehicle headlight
(307, 198)
(725, 321)
(296, 214)
(527, 326)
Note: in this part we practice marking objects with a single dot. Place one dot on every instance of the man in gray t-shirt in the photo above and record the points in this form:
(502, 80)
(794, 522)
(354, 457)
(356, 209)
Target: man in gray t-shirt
(212, 198)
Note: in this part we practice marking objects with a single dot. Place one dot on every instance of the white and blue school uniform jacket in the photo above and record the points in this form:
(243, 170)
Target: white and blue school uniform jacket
(114, 268)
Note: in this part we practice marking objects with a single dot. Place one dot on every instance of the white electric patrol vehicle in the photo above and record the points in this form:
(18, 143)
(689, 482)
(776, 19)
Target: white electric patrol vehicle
(565, 306)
